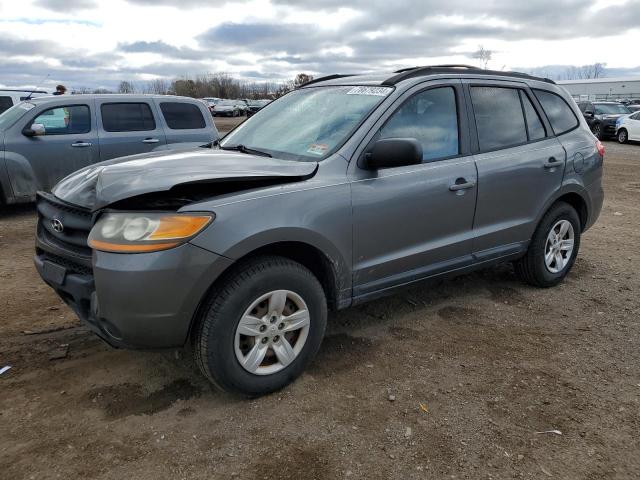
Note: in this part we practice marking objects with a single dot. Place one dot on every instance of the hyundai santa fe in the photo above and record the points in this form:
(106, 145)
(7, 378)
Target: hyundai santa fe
(341, 191)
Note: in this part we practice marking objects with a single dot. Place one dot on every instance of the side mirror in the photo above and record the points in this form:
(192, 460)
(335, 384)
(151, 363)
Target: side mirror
(393, 152)
(588, 113)
(36, 130)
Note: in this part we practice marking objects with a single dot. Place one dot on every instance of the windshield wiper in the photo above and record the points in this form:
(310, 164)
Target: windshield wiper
(249, 150)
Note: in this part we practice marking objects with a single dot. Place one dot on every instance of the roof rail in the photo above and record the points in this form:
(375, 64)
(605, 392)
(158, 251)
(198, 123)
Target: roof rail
(325, 78)
(446, 65)
(439, 69)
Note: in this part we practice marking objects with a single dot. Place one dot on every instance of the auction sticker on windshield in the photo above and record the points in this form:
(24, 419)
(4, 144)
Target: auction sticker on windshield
(376, 91)
(317, 148)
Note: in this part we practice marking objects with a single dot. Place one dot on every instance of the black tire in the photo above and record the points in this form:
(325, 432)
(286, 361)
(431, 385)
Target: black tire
(597, 131)
(214, 334)
(532, 268)
(623, 136)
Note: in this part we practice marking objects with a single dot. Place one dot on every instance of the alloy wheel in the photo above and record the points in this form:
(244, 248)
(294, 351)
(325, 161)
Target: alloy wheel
(272, 332)
(559, 246)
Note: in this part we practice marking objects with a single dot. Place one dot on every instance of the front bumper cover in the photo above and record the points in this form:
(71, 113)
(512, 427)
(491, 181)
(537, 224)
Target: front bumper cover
(137, 300)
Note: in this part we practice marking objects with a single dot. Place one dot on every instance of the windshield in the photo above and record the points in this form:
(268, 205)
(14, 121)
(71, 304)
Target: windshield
(611, 108)
(12, 115)
(307, 124)
(227, 102)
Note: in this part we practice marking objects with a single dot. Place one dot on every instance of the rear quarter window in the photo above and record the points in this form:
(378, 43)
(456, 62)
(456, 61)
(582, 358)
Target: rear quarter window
(5, 103)
(558, 111)
(182, 116)
(127, 117)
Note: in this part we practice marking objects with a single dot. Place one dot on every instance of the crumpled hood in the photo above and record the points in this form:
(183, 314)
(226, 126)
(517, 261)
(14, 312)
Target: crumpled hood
(99, 185)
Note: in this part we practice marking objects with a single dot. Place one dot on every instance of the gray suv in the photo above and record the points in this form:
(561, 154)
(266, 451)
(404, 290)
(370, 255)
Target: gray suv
(42, 140)
(337, 193)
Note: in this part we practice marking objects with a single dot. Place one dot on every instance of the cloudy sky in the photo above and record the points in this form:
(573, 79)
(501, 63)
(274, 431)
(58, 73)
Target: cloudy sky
(97, 43)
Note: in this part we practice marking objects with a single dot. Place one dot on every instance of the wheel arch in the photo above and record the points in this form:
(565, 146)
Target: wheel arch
(575, 195)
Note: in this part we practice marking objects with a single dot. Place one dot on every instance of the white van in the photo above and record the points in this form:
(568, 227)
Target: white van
(9, 97)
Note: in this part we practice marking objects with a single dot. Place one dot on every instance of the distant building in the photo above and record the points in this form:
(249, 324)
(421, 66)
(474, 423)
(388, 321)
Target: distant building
(603, 88)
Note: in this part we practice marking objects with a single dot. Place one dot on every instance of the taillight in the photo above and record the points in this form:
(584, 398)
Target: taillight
(600, 148)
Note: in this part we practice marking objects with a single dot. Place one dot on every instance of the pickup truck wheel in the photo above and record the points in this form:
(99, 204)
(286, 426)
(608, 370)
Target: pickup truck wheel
(553, 248)
(261, 327)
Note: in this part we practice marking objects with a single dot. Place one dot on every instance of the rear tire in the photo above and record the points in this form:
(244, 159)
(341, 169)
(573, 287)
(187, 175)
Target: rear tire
(623, 136)
(548, 259)
(242, 344)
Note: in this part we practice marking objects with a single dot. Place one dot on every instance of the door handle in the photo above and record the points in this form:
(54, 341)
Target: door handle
(461, 184)
(150, 140)
(81, 144)
(552, 163)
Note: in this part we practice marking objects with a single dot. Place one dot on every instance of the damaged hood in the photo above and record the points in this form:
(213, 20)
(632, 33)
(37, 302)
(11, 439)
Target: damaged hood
(99, 185)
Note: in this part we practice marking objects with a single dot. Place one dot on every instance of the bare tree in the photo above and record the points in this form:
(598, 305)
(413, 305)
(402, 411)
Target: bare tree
(484, 55)
(301, 79)
(126, 87)
(158, 86)
(585, 72)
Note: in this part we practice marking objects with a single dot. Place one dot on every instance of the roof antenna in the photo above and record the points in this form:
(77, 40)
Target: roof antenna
(36, 89)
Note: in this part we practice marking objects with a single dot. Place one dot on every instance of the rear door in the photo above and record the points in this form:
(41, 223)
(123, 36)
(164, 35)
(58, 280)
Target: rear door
(520, 165)
(186, 122)
(70, 142)
(411, 222)
(128, 127)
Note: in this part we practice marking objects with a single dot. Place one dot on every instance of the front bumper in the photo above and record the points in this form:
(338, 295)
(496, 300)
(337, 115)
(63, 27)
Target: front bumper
(609, 128)
(137, 300)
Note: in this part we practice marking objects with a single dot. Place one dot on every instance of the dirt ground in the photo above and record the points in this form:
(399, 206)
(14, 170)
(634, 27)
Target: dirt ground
(452, 380)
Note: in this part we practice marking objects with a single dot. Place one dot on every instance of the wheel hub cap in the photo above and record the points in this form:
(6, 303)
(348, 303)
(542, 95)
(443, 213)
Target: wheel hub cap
(272, 332)
(559, 246)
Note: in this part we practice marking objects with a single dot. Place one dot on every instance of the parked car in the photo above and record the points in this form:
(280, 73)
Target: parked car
(633, 107)
(226, 108)
(9, 98)
(45, 139)
(628, 128)
(346, 189)
(601, 117)
(244, 106)
(256, 105)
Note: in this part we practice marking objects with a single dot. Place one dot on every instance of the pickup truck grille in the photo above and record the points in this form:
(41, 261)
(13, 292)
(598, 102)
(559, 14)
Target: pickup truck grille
(63, 227)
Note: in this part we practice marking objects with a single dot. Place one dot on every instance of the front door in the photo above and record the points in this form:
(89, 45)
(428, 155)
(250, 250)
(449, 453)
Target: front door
(69, 143)
(414, 221)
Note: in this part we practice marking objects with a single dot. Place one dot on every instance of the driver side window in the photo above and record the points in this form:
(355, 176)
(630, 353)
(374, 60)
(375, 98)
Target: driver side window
(430, 117)
(65, 120)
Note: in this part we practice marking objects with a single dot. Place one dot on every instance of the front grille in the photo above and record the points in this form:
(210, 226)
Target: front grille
(76, 223)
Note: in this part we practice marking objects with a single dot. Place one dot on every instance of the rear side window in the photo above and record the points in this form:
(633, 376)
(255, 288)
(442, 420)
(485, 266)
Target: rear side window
(431, 118)
(635, 116)
(67, 120)
(182, 116)
(558, 112)
(499, 118)
(5, 103)
(535, 127)
(127, 117)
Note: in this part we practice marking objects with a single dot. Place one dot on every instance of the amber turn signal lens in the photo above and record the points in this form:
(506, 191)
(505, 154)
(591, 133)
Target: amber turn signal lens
(130, 248)
(178, 226)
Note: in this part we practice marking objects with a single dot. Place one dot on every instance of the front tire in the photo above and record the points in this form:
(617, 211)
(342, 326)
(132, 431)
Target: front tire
(597, 131)
(261, 326)
(623, 136)
(553, 248)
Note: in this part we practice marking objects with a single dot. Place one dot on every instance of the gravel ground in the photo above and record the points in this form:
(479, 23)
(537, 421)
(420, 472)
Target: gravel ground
(452, 380)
